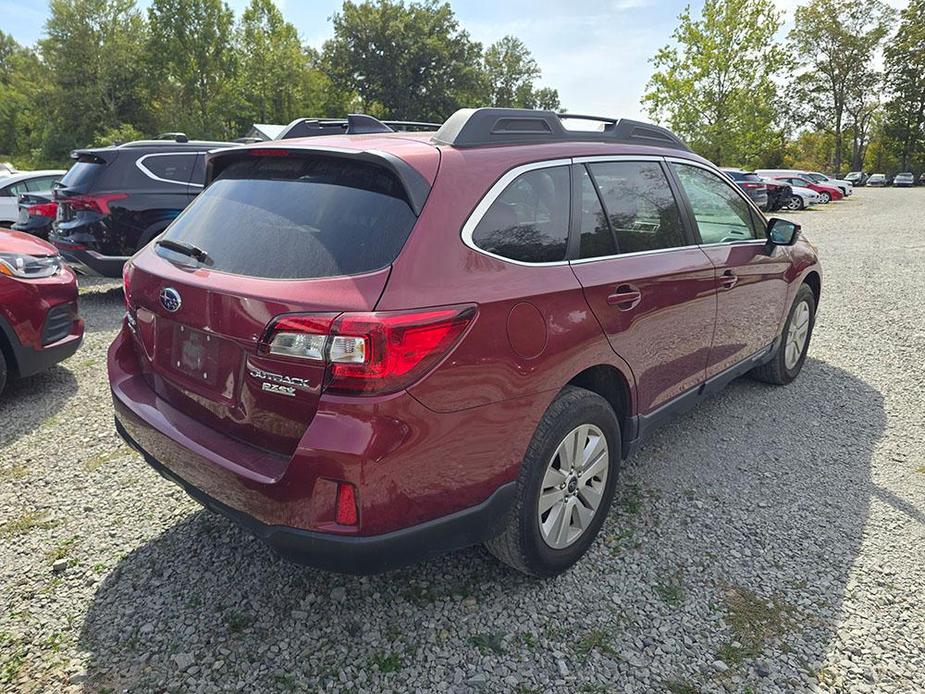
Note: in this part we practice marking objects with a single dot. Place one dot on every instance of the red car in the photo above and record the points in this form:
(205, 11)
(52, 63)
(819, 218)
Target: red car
(371, 347)
(39, 322)
(827, 193)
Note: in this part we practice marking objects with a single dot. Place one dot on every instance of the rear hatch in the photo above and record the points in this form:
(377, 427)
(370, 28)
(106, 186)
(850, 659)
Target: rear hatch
(272, 235)
(73, 192)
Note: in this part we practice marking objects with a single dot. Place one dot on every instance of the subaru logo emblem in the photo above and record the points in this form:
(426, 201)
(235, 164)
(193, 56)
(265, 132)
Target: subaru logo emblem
(170, 299)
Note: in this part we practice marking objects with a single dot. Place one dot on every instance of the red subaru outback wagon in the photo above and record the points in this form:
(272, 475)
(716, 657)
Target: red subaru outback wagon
(373, 346)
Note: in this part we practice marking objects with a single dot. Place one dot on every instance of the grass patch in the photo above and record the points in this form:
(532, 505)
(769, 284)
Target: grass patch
(60, 551)
(632, 501)
(12, 657)
(488, 642)
(237, 622)
(10, 474)
(671, 591)
(284, 681)
(27, 522)
(920, 469)
(594, 640)
(681, 687)
(387, 662)
(754, 622)
(529, 639)
(96, 462)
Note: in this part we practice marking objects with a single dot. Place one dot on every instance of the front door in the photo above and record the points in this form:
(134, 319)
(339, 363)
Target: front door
(750, 274)
(651, 288)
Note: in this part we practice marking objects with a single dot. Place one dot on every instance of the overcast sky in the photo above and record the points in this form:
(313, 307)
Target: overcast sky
(596, 53)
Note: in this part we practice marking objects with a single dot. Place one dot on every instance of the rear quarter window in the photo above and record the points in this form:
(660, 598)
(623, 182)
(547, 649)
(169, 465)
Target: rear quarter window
(529, 220)
(296, 218)
(83, 173)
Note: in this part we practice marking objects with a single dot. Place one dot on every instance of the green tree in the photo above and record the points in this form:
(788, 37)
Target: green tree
(905, 68)
(715, 86)
(405, 61)
(93, 50)
(836, 42)
(192, 56)
(510, 75)
(277, 81)
(23, 86)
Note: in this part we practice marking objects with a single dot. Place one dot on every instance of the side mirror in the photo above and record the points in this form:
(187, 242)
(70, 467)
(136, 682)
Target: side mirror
(781, 232)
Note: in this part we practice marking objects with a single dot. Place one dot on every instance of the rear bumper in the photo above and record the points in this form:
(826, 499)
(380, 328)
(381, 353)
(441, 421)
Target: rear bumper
(90, 262)
(358, 555)
(424, 483)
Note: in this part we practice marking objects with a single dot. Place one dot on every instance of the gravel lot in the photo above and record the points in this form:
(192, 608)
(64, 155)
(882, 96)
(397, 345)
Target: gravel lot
(772, 540)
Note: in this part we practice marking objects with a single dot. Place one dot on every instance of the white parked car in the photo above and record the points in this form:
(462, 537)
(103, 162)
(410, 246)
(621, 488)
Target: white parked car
(846, 187)
(800, 197)
(11, 187)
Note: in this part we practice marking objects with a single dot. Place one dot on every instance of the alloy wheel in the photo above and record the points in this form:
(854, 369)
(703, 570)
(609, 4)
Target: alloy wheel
(794, 203)
(573, 486)
(796, 335)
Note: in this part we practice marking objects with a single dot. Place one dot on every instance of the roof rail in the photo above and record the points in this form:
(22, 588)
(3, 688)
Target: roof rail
(472, 127)
(353, 124)
(176, 137)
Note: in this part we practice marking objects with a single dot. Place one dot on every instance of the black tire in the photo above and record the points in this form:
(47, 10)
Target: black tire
(3, 372)
(521, 544)
(776, 371)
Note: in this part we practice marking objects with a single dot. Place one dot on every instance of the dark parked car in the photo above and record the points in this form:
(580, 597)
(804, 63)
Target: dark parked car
(114, 200)
(752, 184)
(369, 349)
(857, 178)
(779, 195)
(904, 180)
(36, 213)
(39, 321)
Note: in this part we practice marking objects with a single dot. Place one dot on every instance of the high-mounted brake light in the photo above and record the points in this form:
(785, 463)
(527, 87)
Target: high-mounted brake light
(94, 203)
(369, 353)
(269, 152)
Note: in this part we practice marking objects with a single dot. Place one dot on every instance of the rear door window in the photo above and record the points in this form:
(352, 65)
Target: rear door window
(529, 221)
(596, 239)
(640, 206)
(722, 214)
(296, 218)
(175, 168)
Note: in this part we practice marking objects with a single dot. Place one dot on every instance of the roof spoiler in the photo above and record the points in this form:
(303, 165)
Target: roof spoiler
(472, 127)
(353, 124)
(414, 184)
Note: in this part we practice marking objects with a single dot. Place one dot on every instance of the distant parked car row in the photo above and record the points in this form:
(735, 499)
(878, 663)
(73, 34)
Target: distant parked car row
(905, 179)
(775, 189)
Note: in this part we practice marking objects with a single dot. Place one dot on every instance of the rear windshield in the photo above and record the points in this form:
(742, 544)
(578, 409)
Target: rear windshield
(296, 218)
(82, 173)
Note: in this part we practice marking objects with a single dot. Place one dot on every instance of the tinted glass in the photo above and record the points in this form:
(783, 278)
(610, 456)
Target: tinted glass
(721, 213)
(529, 220)
(735, 175)
(294, 217)
(640, 205)
(596, 239)
(172, 167)
(82, 174)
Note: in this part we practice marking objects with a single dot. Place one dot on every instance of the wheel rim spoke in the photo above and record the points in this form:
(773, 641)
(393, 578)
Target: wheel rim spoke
(549, 498)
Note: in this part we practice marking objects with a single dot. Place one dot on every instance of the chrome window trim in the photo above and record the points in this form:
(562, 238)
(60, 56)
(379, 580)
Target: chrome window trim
(603, 158)
(632, 254)
(489, 198)
(733, 186)
(150, 174)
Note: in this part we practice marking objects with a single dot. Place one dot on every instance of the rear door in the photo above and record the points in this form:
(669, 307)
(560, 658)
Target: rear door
(750, 274)
(282, 236)
(650, 286)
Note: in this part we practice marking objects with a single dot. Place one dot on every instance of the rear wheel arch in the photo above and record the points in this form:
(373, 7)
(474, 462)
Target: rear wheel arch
(148, 234)
(611, 384)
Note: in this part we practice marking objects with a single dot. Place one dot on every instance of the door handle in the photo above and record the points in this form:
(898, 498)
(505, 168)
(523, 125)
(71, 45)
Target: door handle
(728, 279)
(624, 297)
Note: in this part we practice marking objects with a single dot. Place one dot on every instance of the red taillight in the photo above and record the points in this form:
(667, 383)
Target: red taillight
(45, 209)
(370, 352)
(93, 203)
(346, 511)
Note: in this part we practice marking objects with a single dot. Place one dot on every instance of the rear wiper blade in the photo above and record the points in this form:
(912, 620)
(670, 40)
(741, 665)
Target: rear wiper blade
(185, 248)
